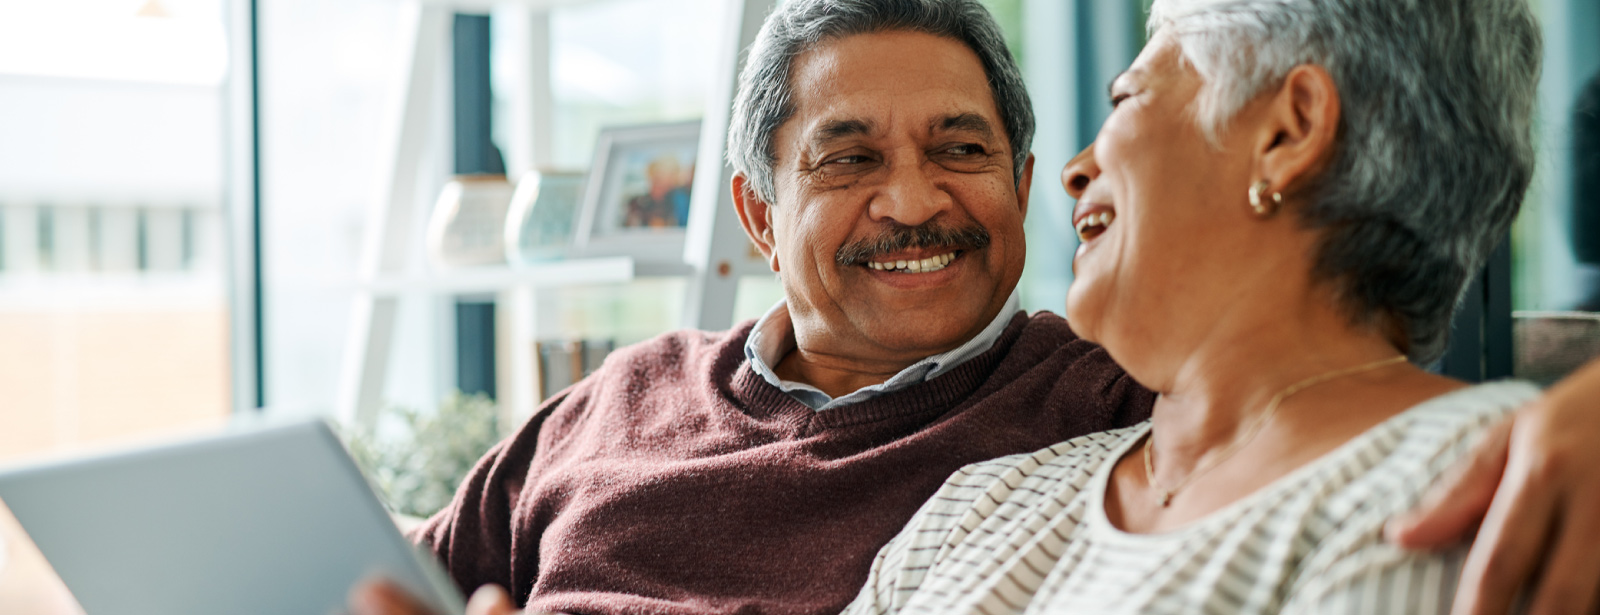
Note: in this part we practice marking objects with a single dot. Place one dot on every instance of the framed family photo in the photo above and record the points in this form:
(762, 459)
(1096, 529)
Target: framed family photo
(637, 199)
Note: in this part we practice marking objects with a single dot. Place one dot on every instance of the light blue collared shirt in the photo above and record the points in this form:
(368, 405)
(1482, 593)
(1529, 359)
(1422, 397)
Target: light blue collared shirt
(772, 338)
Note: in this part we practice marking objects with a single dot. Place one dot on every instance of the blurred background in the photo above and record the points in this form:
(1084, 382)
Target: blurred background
(216, 208)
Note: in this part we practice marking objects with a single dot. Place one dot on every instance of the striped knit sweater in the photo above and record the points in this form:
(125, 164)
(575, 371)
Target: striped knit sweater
(1028, 533)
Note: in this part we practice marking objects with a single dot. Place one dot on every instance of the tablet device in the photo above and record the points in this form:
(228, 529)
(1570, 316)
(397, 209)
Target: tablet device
(265, 521)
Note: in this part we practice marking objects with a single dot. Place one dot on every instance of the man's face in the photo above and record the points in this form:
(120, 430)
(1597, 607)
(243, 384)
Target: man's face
(897, 229)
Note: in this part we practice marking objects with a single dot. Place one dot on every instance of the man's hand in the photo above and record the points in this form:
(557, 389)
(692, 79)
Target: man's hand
(380, 597)
(1534, 485)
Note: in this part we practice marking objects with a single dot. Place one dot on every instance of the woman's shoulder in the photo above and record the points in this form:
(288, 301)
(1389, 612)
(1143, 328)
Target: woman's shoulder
(1425, 439)
(1388, 469)
(1401, 457)
(1467, 405)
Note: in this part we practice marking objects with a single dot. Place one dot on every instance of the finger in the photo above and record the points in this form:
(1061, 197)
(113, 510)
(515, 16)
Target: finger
(1570, 580)
(490, 600)
(381, 597)
(1457, 503)
(1508, 546)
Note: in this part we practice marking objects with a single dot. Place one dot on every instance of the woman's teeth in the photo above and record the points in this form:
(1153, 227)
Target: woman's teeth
(926, 265)
(1094, 224)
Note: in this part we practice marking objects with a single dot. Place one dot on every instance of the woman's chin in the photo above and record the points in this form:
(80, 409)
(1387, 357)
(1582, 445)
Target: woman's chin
(1080, 317)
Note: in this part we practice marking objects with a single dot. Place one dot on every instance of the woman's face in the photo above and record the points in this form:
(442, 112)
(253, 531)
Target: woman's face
(1179, 247)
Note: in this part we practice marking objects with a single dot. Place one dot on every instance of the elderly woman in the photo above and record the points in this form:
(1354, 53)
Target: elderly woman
(1283, 207)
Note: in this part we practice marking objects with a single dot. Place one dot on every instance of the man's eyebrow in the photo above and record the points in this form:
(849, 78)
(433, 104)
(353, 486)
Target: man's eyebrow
(970, 122)
(838, 129)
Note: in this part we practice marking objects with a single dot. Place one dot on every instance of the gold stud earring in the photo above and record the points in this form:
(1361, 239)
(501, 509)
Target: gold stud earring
(1261, 207)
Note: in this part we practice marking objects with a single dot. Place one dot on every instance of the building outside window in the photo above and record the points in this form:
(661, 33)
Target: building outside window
(114, 313)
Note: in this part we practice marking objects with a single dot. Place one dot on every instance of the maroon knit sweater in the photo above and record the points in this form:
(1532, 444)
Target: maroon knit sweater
(676, 480)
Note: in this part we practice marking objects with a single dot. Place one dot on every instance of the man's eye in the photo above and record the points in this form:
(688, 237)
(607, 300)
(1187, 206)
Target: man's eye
(1117, 100)
(848, 160)
(965, 149)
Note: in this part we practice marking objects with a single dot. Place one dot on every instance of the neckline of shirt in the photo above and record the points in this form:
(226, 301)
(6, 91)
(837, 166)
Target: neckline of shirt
(935, 397)
(772, 338)
(1095, 518)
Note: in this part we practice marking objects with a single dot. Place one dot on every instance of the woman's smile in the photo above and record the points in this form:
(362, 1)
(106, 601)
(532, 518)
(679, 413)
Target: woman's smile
(1093, 220)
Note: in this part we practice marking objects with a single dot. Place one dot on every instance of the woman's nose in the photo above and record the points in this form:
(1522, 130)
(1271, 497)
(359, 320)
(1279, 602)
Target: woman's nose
(1079, 171)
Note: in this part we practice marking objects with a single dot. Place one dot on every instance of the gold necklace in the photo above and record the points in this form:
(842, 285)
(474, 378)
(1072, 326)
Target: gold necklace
(1255, 428)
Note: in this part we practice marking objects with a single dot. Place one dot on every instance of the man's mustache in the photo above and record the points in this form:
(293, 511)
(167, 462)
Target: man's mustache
(901, 238)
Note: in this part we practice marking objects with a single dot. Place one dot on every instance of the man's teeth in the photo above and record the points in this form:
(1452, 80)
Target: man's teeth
(926, 265)
(1102, 220)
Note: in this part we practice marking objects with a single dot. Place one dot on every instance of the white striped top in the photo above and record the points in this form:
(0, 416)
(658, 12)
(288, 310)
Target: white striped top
(1028, 533)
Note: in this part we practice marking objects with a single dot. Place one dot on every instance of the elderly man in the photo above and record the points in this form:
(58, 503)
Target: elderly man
(883, 156)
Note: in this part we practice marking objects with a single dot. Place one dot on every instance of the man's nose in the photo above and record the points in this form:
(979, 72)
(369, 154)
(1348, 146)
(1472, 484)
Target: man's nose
(910, 196)
(1079, 171)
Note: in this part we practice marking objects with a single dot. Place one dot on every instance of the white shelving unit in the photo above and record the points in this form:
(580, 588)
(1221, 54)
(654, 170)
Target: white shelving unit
(715, 251)
(479, 280)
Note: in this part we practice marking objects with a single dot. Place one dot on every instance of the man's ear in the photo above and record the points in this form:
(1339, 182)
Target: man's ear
(1302, 125)
(1025, 186)
(755, 214)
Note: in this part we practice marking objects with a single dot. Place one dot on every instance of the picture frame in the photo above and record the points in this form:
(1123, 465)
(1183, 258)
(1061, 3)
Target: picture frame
(636, 202)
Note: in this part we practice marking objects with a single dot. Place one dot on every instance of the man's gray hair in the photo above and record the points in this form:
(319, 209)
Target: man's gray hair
(766, 98)
(1434, 149)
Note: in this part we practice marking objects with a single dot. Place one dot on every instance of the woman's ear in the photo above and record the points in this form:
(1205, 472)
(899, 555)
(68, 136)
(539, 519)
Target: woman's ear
(1302, 127)
(755, 214)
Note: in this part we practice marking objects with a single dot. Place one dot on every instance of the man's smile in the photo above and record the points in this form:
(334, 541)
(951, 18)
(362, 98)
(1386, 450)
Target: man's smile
(914, 265)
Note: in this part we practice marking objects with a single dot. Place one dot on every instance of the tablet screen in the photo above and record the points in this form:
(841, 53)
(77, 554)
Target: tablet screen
(274, 520)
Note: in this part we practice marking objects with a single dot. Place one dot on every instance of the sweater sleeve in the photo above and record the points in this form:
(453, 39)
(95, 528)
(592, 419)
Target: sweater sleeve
(473, 537)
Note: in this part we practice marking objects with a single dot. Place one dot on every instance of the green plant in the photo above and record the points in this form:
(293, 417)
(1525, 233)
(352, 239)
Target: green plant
(417, 459)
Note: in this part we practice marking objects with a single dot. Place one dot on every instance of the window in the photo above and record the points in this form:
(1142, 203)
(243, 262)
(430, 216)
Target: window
(332, 88)
(1555, 264)
(334, 77)
(114, 137)
(113, 293)
(115, 173)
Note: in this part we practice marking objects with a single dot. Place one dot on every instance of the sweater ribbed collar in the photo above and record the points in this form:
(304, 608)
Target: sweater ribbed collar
(772, 338)
(929, 398)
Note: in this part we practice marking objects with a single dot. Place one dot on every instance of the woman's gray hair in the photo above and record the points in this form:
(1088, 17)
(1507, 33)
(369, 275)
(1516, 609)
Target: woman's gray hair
(1434, 149)
(766, 99)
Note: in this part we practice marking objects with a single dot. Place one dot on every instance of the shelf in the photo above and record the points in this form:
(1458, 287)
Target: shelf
(555, 274)
(713, 235)
(488, 5)
(662, 270)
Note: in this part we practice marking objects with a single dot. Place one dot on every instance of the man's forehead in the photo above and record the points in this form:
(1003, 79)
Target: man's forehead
(867, 83)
